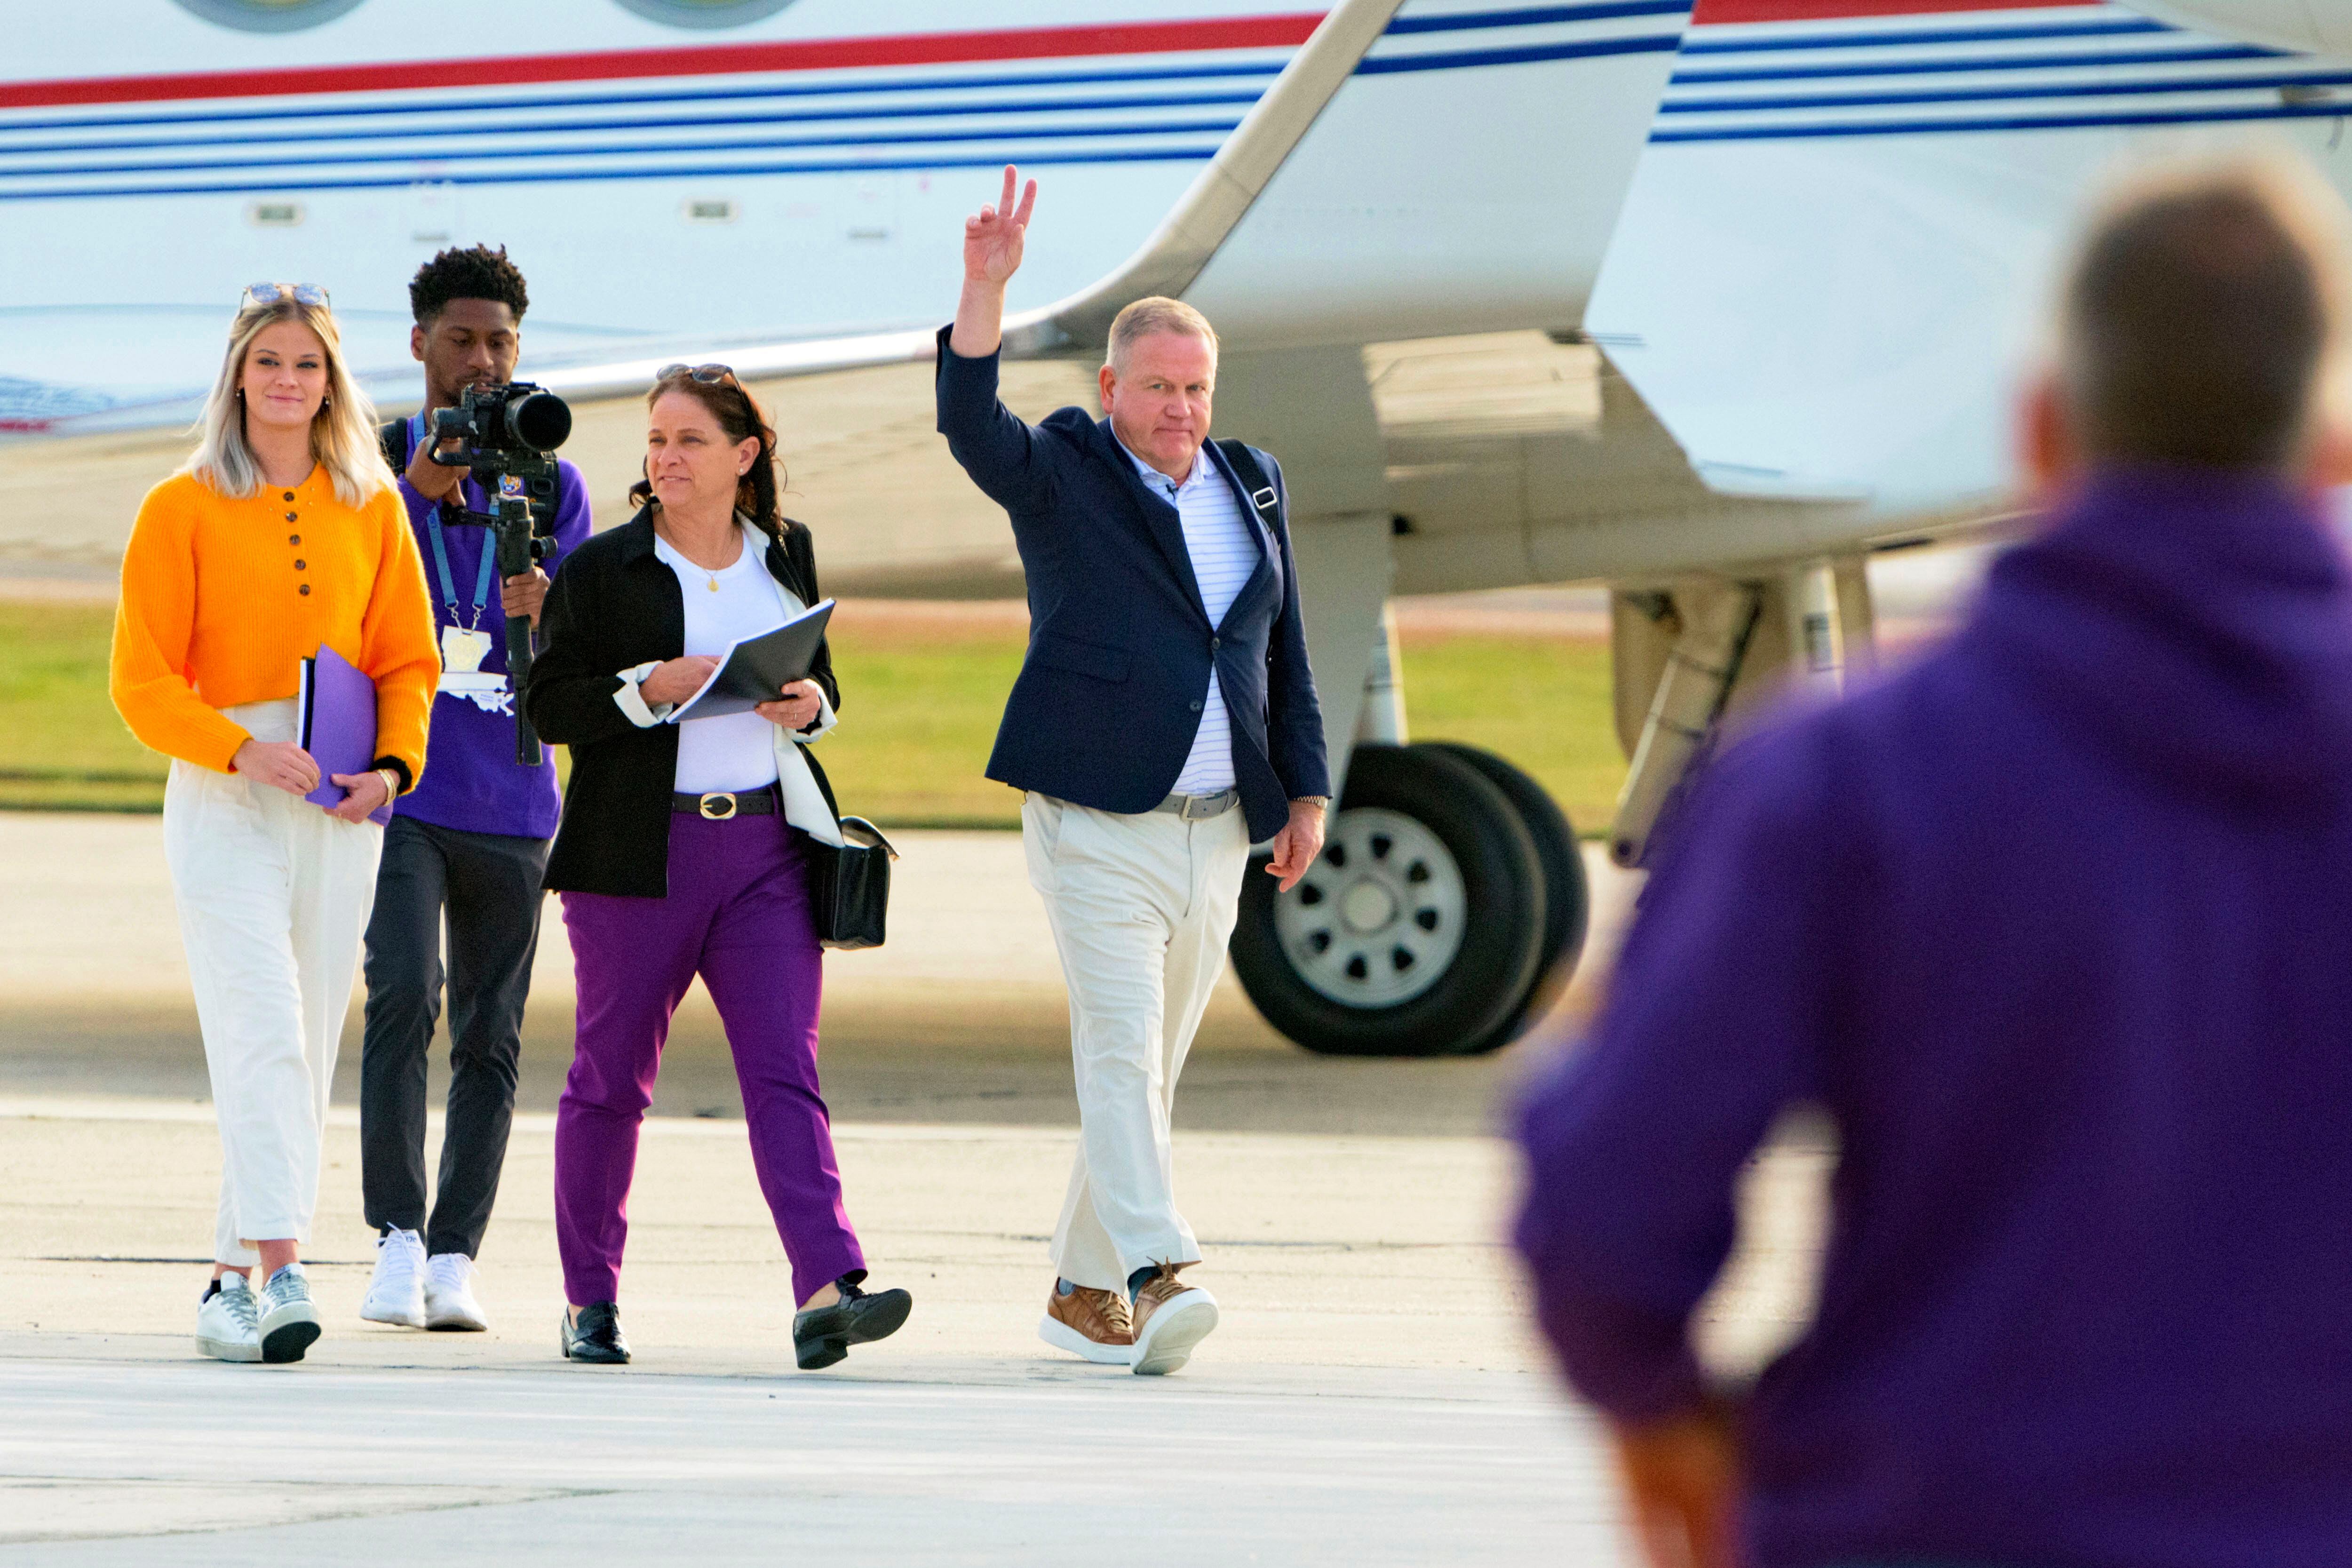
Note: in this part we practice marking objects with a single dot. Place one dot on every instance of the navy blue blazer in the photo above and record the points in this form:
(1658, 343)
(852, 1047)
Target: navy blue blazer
(1108, 699)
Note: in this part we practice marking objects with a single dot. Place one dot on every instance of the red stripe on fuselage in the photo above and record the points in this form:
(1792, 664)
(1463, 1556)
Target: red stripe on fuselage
(708, 59)
(1719, 13)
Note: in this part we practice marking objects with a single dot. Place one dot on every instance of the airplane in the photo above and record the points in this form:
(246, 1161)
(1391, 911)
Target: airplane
(1709, 307)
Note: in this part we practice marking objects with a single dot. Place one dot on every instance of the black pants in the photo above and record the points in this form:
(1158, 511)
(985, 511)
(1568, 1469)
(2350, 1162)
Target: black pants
(489, 883)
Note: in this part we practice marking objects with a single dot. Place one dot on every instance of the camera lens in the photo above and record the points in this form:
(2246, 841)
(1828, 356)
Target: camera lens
(539, 421)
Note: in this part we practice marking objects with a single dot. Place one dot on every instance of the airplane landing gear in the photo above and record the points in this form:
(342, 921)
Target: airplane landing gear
(1446, 912)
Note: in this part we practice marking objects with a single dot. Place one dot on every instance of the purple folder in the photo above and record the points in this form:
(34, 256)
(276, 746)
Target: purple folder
(337, 706)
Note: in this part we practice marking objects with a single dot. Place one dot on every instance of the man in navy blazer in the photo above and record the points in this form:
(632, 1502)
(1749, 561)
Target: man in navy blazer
(1164, 718)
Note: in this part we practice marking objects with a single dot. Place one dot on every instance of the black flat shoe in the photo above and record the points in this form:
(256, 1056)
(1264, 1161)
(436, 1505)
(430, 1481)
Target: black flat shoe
(597, 1336)
(823, 1335)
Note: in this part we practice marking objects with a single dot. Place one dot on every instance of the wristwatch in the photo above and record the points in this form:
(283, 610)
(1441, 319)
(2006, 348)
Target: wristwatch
(1323, 801)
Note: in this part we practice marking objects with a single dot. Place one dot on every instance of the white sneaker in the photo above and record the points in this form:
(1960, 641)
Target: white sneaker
(396, 1294)
(229, 1324)
(289, 1319)
(449, 1293)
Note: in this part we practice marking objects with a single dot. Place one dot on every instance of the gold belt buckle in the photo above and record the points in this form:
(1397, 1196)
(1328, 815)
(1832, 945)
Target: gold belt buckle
(718, 807)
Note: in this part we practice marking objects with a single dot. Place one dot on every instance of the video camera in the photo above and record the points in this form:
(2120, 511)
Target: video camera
(510, 434)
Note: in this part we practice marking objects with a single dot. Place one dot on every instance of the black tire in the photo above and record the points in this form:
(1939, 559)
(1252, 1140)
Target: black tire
(1497, 935)
(1568, 897)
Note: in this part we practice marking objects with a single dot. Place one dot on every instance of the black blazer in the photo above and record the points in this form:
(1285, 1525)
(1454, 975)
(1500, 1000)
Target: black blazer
(614, 604)
(1108, 699)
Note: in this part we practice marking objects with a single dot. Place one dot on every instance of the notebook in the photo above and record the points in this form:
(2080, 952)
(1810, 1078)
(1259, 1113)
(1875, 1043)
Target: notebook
(338, 728)
(756, 670)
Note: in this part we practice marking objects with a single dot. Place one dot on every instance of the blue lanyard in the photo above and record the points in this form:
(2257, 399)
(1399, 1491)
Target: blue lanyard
(441, 560)
(449, 588)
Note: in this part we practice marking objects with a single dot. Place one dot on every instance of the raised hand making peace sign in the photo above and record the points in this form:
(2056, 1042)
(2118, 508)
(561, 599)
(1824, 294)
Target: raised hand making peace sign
(993, 241)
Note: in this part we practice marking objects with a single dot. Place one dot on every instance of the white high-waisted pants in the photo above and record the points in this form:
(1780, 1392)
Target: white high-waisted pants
(273, 895)
(1141, 908)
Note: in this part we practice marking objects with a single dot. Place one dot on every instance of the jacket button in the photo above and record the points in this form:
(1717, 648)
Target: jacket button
(1196, 706)
(303, 589)
(289, 495)
(293, 538)
(1216, 643)
(291, 516)
(299, 564)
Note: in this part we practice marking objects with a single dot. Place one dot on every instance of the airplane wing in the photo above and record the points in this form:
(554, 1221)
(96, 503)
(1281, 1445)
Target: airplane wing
(1178, 252)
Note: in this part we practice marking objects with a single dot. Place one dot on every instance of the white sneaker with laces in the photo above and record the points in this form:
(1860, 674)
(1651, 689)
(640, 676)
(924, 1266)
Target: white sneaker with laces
(396, 1294)
(290, 1317)
(449, 1294)
(229, 1324)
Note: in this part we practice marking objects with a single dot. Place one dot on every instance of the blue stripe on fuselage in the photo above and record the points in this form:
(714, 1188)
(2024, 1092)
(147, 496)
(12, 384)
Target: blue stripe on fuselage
(325, 158)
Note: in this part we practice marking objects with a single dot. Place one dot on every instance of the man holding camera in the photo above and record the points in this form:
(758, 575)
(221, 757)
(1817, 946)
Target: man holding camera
(469, 844)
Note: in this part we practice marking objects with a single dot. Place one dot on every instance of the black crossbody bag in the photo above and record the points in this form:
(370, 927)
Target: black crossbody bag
(850, 886)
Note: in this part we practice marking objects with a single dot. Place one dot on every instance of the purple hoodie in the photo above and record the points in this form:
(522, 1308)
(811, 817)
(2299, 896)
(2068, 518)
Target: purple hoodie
(2057, 927)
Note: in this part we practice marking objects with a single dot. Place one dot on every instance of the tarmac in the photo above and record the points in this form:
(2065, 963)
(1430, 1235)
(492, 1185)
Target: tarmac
(1374, 1395)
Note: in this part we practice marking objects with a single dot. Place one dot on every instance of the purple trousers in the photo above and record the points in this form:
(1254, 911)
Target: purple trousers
(737, 914)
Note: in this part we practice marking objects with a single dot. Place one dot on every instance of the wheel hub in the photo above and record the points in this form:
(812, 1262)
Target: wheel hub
(1380, 916)
(1368, 906)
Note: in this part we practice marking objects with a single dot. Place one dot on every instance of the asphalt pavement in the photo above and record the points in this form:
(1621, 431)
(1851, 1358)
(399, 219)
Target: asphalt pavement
(1374, 1395)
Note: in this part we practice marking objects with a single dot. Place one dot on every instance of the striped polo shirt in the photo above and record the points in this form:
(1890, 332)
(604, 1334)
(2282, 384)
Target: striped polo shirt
(1225, 551)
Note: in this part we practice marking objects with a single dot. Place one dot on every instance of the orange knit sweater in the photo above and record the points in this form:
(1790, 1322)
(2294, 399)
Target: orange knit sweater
(222, 600)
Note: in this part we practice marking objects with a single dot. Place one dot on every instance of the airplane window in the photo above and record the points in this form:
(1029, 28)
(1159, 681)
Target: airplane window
(268, 15)
(706, 13)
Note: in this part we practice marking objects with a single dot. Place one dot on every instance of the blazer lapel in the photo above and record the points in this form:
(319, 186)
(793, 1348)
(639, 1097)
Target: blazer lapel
(1160, 516)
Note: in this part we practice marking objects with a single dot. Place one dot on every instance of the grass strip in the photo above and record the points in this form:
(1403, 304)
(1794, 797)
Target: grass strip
(919, 716)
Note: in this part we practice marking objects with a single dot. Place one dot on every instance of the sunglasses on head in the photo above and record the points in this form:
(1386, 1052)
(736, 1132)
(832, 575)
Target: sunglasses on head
(708, 374)
(270, 293)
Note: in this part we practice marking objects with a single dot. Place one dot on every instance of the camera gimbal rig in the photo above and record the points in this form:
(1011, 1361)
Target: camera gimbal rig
(509, 433)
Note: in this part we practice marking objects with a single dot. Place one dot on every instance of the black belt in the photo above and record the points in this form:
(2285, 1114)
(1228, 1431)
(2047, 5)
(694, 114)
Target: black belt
(724, 804)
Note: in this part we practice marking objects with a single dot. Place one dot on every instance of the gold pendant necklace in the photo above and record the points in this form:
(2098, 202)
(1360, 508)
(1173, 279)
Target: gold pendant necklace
(713, 582)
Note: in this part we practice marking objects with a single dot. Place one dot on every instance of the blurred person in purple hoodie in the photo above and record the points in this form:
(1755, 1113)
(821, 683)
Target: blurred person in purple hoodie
(2056, 928)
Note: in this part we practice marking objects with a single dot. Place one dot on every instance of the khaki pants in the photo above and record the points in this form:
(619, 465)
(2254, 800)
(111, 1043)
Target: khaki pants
(1141, 908)
(273, 894)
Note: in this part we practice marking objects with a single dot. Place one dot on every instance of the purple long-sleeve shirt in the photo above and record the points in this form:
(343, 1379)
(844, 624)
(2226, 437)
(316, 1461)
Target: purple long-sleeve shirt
(2057, 927)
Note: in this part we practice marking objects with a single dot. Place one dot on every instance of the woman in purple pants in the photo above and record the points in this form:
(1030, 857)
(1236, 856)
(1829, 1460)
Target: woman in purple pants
(682, 853)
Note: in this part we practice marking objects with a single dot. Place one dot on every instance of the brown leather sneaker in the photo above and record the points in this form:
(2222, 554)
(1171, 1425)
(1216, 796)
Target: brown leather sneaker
(1171, 1317)
(1089, 1323)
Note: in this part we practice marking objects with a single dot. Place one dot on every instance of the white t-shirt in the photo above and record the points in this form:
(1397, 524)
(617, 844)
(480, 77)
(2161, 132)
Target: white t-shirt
(737, 751)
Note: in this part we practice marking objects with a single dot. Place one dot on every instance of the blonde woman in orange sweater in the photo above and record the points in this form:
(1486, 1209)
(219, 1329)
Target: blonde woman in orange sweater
(282, 534)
